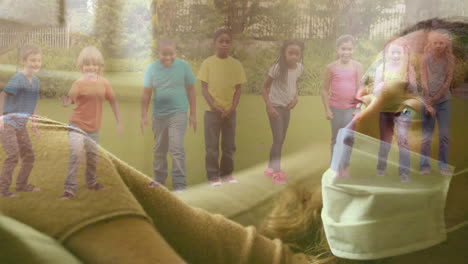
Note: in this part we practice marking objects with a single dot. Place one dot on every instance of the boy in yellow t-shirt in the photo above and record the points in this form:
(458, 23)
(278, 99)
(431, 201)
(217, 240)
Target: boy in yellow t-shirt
(221, 77)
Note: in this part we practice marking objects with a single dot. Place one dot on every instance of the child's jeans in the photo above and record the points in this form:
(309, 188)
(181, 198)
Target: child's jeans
(80, 142)
(214, 127)
(279, 127)
(16, 143)
(428, 122)
(387, 123)
(341, 118)
(169, 133)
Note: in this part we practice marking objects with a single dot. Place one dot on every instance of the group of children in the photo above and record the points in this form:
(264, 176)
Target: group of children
(394, 82)
(170, 84)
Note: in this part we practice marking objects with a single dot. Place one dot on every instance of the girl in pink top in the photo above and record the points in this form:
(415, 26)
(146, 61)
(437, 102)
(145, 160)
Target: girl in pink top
(341, 86)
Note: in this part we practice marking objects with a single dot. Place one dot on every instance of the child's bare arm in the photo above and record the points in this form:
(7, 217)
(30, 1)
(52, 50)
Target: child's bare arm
(236, 98)
(116, 111)
(359, 83)
(192, 98)
(325, 93)
(3, 95)
(266, 91)
(446, 86)
(424, 78)
(209, 99)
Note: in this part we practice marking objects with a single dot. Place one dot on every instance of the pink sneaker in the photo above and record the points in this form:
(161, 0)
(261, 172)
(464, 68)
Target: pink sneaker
(279, 177)
(230, 179)
(215, 182)
(446, 172)
(268, 172)
(425, 171)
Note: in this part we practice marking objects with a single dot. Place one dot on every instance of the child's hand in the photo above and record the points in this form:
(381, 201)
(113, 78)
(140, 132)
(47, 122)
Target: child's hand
(218, 109)
(430, 110)
(227, 113)
(66, 101)
(272, 112)
(193, 122)
(2, 124)
(329, 114)
(35, 129)
(293, 103)
(143, 124)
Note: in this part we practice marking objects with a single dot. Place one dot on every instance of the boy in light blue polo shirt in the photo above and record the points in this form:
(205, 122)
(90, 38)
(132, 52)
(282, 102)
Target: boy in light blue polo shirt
(172, 82)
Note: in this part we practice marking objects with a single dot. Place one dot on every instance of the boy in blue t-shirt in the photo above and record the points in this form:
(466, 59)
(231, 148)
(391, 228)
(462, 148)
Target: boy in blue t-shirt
(19, 100)
(172, 82)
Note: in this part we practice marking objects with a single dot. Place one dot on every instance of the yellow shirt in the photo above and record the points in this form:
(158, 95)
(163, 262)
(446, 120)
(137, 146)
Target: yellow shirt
(222, 75)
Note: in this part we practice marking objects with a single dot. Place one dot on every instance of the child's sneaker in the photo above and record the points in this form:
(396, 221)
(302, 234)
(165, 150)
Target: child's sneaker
(215, 182)
(28, 188)
(67, 195)
(179, 191)
(7, 194)
(96, 187)
(268, 172)
(404, 177)
(425, 171)
(229, 179)
(279, 177)
(380, 173)
(446, 172)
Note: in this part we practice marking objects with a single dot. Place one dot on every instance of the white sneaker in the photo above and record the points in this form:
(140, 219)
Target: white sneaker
(215, 182)
(380, 173)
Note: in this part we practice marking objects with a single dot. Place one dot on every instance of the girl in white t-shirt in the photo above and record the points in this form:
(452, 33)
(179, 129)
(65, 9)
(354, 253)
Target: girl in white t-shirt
(280, 95)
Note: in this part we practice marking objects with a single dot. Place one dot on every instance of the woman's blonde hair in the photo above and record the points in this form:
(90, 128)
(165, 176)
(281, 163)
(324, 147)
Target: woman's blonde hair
(296, 220)
(91, 55)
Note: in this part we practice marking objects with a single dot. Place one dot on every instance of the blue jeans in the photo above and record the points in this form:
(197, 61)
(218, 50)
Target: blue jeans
(387, 122)
(80, 141)
(169, 133)
(428, 122)
(279, 127)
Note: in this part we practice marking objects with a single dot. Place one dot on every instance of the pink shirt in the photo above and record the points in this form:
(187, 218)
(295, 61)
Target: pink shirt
(343, 88)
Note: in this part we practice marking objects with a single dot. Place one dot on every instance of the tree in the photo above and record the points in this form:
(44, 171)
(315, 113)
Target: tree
(239, 13)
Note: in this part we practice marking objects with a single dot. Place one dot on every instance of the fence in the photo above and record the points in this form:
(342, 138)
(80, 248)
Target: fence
(57, 37)
(301, 23)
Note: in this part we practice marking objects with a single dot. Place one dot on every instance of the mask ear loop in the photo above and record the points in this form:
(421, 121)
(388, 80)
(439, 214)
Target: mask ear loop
(464, 223)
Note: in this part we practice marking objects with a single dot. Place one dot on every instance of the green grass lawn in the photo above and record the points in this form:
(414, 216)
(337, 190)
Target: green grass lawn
(253, 138)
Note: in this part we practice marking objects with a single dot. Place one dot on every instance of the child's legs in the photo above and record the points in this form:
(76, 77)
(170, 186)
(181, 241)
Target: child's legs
(161, 146)
(91, 147)
(443, 121)
(341, 118)
(428, 123)
(403, 123)
(278, 127)
(177, 128)
(212, 131)
(228, 145)
(27, 157)
(386, 125)
(76, 141)
(10, 145)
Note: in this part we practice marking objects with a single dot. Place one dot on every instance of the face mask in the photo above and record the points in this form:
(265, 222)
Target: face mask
(366, 216)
